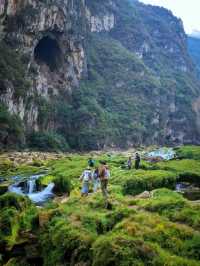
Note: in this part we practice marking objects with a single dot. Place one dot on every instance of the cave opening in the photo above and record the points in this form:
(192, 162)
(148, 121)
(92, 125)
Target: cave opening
(48, 52)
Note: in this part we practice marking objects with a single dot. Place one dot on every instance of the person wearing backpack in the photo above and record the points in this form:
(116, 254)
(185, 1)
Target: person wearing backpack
(104, 175)
(86, 177)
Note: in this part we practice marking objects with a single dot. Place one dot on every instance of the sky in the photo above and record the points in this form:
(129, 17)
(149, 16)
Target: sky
(187, 10)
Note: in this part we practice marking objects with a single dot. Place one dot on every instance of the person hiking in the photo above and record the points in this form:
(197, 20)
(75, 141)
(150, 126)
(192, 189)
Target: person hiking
(104, 175)
(137, 161)
(129, 163)
(85, 178)
(96, 180)
(91, 162)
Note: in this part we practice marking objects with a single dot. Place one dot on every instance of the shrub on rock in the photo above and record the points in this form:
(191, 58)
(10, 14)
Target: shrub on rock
(62, 184)
(14, 200)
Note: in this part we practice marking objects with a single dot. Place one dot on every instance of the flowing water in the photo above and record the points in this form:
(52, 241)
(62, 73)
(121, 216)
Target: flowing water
(163, 153)
(28, 187)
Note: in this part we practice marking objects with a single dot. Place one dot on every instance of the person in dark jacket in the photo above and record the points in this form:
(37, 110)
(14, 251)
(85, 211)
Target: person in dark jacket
(137, 161)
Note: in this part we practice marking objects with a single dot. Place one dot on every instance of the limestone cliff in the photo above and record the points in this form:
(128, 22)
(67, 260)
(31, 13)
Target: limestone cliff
(96, 73)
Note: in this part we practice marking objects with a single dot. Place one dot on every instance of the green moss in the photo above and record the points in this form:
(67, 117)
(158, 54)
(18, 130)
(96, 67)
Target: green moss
(189, 152)
(149, 180)
(64, 243)
(161, 230)
(17, 216)
(185, 168)
(62, 184)
(13, 200)
(119, 249)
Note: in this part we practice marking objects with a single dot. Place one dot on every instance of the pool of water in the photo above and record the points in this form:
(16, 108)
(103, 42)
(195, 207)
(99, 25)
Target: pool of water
(190, 190)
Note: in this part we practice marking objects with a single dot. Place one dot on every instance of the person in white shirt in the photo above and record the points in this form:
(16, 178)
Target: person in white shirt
(86, 177)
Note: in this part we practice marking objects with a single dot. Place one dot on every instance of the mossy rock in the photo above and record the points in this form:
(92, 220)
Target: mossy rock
(4, 187)
(62, 185)
(120, 249)
(188, 152)
(17, 262)
(13, 200)
(149, 180)
(5, 164)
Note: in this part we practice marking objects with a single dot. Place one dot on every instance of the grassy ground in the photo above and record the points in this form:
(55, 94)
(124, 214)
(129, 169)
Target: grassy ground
(160, 230)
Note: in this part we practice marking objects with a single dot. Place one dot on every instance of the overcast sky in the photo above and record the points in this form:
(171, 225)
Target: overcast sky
(187, 10)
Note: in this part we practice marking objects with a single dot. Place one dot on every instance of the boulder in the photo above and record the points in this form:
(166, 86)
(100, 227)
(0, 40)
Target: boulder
(144, 195)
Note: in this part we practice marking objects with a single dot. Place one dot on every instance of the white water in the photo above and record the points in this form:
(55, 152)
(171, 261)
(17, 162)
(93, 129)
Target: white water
(30, 191)
(15, 189)
(40, 197)
(165, 154)
(31, 186)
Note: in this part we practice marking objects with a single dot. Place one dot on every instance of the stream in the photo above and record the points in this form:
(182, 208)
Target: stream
(28, 187)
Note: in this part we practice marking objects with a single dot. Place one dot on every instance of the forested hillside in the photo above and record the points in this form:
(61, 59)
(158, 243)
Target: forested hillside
(95, 74)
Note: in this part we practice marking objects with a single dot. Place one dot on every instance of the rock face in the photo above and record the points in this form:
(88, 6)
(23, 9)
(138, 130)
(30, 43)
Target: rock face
(48, 37)
(73, 50)
(194, 49)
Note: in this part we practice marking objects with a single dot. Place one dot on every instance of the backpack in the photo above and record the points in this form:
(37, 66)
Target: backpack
(107, 173)
(104, 173)
(86, 175)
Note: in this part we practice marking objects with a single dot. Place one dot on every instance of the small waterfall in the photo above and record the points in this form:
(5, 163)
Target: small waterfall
(29, 189)
(15, 189)
(31, 184)
(40, 197)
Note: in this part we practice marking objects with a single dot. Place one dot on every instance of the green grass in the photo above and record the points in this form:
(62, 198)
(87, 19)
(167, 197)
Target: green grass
(161, 230)
(189, 152)
(185, 167)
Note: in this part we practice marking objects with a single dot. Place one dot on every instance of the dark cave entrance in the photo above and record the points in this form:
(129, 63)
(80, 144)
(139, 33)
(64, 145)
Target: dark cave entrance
(48, 52)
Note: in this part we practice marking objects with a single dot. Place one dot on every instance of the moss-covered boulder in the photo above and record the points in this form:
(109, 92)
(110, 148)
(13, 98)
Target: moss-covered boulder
(66, 244)
(188, 152)
(120, 249)
(4, 187)
(149, 180)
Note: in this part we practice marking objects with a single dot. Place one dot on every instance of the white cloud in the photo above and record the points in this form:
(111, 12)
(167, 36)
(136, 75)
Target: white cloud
(187, 10)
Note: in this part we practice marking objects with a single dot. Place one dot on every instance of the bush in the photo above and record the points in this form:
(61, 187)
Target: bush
(119, 249)
(12, 69)
(189, 152)
(62, 185)
(45, 141)
(149, 180)
(65, 244)
(11, 129)
(13, 200)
